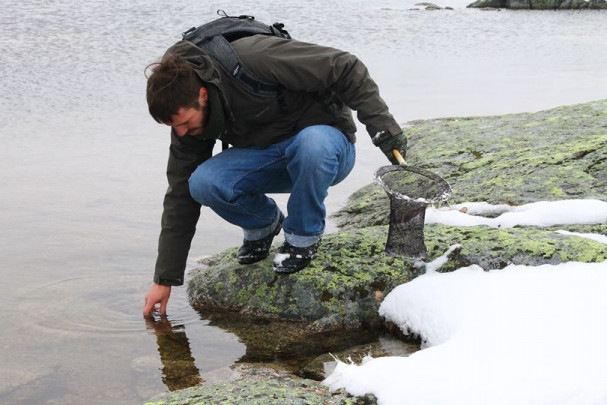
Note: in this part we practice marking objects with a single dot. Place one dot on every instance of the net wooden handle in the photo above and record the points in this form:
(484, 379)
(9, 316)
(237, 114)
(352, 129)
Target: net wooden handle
(399, 157)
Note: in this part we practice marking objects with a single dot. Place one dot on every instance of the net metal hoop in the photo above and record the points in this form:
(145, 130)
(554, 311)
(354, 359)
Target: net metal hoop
(442, 183)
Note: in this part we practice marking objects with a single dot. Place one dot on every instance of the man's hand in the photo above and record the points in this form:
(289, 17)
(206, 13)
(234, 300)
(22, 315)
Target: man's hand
(387, 143)
(157, 294)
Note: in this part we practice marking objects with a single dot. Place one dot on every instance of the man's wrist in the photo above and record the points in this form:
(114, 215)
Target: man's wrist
(380, 137)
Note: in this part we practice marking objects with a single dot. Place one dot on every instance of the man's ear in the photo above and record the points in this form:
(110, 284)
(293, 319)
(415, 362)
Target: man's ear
(203, 95)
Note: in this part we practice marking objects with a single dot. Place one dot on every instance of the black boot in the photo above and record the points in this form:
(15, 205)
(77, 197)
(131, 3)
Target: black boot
(253, 251)
(290, 259)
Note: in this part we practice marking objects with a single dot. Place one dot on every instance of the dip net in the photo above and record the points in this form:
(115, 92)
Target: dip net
(410, 190)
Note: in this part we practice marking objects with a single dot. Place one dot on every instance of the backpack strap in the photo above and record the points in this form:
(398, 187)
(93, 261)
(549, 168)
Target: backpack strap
(221, 50)
(214, 38)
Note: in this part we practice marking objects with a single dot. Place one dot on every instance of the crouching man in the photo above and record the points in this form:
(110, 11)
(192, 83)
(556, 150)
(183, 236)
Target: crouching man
(298, 141)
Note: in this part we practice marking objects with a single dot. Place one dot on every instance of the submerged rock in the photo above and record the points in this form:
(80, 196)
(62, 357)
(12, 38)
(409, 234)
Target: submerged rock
(322, 366)
(260, 385)
(288, 342)
(429, 6)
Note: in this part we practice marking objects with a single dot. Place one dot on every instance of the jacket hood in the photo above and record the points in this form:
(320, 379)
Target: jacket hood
(204, 66)
(202, 63)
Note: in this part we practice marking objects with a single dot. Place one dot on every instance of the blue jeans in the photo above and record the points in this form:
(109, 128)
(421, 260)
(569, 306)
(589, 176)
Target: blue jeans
(234, 183)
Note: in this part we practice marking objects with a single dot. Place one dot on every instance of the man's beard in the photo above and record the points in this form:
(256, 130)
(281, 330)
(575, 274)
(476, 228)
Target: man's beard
(203, 122)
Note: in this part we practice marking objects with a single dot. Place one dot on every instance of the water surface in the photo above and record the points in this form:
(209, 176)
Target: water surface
(82, 165)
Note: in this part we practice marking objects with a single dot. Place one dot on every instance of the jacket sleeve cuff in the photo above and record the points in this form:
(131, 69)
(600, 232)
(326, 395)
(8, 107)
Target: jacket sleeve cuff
(167, 282)
(381, 136)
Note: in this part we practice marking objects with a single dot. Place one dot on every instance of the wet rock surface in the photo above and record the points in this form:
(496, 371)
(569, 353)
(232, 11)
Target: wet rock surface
(322, 366)
(287, 342)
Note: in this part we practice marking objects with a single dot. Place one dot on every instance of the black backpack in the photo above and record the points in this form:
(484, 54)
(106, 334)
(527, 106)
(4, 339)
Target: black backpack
(215, 37)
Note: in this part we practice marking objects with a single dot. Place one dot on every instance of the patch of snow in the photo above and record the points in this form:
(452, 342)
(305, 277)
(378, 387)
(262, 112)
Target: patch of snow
(482, 208)
(436, 264)
(521, 335)
(542, 213)
(593, 236)
(280, 257)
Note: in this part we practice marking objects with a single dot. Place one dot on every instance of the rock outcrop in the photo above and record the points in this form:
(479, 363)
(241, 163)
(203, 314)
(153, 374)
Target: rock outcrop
(514, 159)
(541, 4)
(345, 284)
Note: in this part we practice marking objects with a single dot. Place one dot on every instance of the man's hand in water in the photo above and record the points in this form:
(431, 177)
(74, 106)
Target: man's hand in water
(157, 294)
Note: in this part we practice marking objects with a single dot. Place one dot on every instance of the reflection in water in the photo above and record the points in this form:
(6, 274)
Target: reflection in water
(287, 343)
(178, 365)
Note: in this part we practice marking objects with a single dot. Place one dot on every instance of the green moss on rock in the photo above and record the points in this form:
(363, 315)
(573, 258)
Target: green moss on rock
(344, 285)
(338, 290)
(259, 385)
(515, 159)
(493, 248)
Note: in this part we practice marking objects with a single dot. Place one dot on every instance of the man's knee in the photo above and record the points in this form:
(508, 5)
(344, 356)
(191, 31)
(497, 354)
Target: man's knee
(320, 141)
(203, 187)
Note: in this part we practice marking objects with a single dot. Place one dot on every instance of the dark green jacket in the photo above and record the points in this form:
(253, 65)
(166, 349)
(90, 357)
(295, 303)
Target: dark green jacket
(322, 85)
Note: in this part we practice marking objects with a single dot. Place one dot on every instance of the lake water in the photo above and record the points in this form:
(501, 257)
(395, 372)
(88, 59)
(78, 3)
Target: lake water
(82, 164)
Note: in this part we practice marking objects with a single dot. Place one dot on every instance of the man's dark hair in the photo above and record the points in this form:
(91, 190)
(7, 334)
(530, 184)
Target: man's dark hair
(172, 85)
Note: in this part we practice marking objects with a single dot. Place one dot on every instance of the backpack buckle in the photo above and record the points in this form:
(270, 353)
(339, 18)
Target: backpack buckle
(188, 32)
